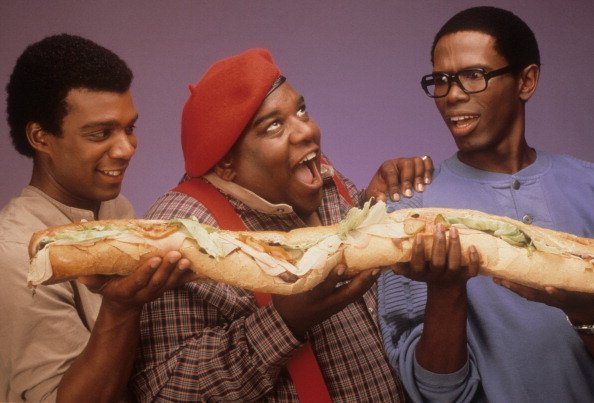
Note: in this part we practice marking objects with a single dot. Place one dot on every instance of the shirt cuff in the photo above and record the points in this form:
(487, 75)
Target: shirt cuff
(436, 380)
(274, 340)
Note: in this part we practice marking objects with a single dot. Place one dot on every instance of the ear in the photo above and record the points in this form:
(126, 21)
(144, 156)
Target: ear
(528, 81)
(37, 137)
(225, 168)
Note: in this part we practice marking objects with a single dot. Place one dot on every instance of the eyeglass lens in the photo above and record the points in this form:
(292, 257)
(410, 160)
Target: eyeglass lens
(438, 85)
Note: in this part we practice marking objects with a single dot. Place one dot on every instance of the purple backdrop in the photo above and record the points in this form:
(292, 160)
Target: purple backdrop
(357, 63)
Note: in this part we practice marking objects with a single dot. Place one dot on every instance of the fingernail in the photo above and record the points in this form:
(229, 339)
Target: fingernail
(174, 257)
(375, 272)
(340, 270)
(408, 193)
(395, 197)
(420, 187)
(427, 181)
(155, 263)
(550, 290)
(183, 265)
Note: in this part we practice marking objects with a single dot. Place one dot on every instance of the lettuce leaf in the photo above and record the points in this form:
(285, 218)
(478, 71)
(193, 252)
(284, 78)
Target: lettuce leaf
(87, 234)
(202, 237)
(363, 217)
(503, 230)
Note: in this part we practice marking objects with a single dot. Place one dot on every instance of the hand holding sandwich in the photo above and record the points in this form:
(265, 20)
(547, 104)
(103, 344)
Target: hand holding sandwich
(151, 280)
(304, 310)
(446, 309)
(440, 266)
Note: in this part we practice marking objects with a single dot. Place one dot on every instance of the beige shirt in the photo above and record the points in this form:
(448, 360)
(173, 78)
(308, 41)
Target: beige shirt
(41, 333)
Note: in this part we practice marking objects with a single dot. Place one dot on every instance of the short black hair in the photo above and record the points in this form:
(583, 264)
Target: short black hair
(45, 73)
(514, 39)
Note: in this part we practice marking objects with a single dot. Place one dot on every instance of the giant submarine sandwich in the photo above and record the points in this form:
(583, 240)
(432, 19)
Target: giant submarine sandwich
(296, 261)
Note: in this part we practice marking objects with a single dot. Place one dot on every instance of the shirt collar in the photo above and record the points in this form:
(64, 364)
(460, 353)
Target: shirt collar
(72, 213)
(540, 166)
(251, 199)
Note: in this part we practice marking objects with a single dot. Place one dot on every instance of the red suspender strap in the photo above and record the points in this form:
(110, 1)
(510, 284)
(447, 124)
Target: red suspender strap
(303, 366)
(222, 211)
(342, 190)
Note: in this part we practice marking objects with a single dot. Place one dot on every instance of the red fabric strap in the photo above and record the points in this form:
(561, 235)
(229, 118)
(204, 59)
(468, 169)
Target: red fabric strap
(303, 366)
(216, 203)
(342, 190)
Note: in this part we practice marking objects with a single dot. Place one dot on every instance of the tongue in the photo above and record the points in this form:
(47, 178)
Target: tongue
(304, 174)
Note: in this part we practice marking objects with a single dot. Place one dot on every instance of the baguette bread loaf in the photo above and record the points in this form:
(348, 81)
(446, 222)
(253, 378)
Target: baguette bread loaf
(295, 261)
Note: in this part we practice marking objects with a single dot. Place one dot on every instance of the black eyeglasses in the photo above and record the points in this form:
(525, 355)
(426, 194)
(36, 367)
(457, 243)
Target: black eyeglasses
(470, 81)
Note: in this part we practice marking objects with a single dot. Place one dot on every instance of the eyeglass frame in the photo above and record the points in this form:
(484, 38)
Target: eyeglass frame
(454, 78)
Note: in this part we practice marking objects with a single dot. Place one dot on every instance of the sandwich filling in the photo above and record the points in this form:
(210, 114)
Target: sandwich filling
(274, 253)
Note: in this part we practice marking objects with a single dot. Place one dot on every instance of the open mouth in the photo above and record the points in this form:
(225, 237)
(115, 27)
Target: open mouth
(307, 171)
(463, 121)
(462, 125)
(112, 173)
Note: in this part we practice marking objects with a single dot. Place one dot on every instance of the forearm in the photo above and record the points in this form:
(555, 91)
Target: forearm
(101, 372)
(443, 344)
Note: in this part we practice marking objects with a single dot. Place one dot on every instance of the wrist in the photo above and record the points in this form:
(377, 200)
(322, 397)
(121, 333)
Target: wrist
(582, 328)
(452, 291)
(118, 311)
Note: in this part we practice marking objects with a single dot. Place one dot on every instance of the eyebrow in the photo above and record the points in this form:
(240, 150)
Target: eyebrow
(107, 123)
(264, 117)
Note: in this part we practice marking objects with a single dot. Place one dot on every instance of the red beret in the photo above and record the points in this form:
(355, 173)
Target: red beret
(221, 105)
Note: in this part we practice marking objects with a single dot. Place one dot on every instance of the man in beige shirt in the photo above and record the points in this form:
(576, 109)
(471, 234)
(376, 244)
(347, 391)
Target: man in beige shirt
(70, 109)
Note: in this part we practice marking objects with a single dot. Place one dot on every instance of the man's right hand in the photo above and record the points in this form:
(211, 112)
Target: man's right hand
(303, 311)
(443, 268)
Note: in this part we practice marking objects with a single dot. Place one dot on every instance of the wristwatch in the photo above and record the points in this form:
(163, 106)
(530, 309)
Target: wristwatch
(587, 330)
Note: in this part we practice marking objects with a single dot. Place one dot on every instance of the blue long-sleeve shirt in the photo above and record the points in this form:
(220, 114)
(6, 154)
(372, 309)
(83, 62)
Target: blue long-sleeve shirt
(519, 351)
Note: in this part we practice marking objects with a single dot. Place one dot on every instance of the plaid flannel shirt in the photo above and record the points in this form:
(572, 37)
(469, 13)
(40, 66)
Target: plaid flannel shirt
(210, 342)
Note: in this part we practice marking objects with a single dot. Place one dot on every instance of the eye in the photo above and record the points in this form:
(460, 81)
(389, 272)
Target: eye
(302, 111)
(440, 79)
(130, 129)
(99, 134)
(472, 75)
(273, 126)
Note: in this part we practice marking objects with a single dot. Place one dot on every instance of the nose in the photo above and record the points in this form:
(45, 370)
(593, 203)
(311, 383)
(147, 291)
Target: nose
(304, 131)
(456, 94)
(124, 146)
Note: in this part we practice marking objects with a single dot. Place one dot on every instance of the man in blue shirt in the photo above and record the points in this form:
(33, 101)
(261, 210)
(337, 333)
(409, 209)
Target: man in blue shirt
(454, 336)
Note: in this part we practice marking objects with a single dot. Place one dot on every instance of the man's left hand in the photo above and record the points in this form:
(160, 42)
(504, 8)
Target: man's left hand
(397, 177)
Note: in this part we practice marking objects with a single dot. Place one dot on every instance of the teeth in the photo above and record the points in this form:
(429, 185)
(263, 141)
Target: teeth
(112, 173)
(460, 118)
(308, 157)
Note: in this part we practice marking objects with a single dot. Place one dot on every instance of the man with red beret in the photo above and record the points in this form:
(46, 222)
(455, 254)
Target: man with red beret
(253, 159)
